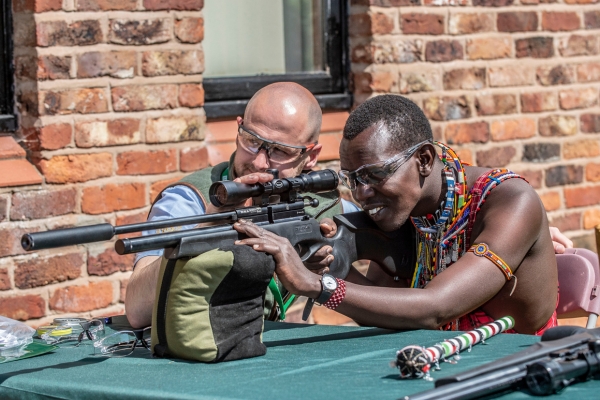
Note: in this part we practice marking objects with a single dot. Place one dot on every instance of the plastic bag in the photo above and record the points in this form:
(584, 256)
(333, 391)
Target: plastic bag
(14, 337)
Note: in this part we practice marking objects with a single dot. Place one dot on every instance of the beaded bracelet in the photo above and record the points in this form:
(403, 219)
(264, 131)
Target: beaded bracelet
(338, 296)
(482, 250)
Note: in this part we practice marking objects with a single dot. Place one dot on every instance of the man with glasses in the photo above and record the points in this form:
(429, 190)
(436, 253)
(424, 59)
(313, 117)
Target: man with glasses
(483, 248)
(280, 130)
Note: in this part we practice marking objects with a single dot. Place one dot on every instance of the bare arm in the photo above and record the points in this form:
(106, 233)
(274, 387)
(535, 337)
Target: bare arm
(141, 291)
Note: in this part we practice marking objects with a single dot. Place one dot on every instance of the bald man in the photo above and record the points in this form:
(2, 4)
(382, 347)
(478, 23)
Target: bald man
(280, 129)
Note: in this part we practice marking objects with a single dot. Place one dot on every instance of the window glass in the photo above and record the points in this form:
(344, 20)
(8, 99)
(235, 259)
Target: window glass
(262, 37)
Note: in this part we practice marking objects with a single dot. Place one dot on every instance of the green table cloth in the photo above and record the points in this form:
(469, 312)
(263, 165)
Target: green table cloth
(302, 362)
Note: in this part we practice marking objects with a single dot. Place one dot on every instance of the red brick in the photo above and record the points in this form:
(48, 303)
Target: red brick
(4, 280)
(512, 129)
(23, 308)
(400, 51)
(591, 218)
(189, 30)
(581, 148)
(113, 197)
(361, 53)
(375, 81)
(443, 2)
(172, 62)
(496, 104)
(123, 290)
(9, 148)
(560, 21)
(18, 173)
(81, 101)
(106, 261)
(460, 24)
(492, 3)
(465, 155)
(3, 208)
(592, 172)
(422, 24)
(191, 95)
(28, 104)
(77, 33)
(535, 47)
(107, 133)
(106, 5)
(510, 76)
(55, 136)
(359, 25)
(177, 129)
(567, 222)
(76, 167)
(147, 162)
(381, 23)
(447, 108)
(219, 152)
(139, 32)
(590, 123)
(10, 239)
(26, 68)
(53, 67)
(42, 271)
(496, 157)
(93, 296)
(578, 98)
(144, 97)
(551, 200)
(555, 75)
(582, 196)
(47, 5)
(158, 187)
(489, 48)
(24, 30)
(538, 102)
(477, 132)
(578, 45)
(589, 72)
(558, 125)
(420, 81)
(386, 3)
(517, 21)
(592, 20)
(19, 6)
(189, 5)
(116, 64)
(533, 177)
(43, 203)
(443, 51)
(193, 159)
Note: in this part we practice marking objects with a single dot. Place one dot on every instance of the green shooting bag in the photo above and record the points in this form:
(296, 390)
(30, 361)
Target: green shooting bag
(209, 308)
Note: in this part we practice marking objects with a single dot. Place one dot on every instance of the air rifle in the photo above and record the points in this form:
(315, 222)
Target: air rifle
(277, 207)
(565, 355)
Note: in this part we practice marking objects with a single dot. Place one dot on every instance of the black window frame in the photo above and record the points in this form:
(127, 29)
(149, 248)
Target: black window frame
(228, 97)
(8, 118)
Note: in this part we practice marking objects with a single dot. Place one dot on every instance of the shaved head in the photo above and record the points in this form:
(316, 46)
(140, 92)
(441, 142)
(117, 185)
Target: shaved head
(286, 107)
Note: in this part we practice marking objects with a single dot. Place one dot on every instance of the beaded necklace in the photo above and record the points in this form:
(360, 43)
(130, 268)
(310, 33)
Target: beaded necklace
(442, 242)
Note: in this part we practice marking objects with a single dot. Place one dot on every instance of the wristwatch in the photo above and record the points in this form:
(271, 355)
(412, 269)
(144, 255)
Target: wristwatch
(328, 286)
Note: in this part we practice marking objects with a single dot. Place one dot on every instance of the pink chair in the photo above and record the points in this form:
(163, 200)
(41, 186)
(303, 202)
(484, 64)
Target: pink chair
(579, 281)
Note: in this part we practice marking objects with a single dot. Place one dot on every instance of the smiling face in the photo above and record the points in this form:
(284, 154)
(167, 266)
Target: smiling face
(391, 202)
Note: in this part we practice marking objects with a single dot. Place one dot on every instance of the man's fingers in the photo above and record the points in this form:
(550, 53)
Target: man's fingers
(255, 177)
(328, 227)
(558, 248)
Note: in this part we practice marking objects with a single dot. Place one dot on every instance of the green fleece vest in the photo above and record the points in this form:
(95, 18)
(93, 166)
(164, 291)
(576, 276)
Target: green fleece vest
(200, 181)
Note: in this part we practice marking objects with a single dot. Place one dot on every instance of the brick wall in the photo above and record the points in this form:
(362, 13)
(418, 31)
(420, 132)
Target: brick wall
(507, 83)
(110, 102)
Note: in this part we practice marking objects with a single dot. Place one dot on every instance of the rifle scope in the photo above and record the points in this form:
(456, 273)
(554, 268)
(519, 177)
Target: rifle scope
(230, 193)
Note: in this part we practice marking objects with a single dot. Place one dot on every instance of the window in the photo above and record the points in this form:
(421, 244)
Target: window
(7, 112)
(250, 44)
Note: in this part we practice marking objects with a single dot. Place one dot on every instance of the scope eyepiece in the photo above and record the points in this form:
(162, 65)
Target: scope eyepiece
(229, 193)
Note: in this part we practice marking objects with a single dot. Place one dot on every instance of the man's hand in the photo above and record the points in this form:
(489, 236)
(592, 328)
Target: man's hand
(559, 240)
(320, 261)
(290, 270)
(250, 179)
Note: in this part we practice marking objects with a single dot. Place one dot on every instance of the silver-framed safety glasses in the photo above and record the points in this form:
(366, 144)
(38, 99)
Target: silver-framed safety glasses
(277, 152)
(374, 174)
(123, 343)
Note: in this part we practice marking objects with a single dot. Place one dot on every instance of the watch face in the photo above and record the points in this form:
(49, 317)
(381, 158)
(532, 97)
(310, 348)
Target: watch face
(329, 282)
